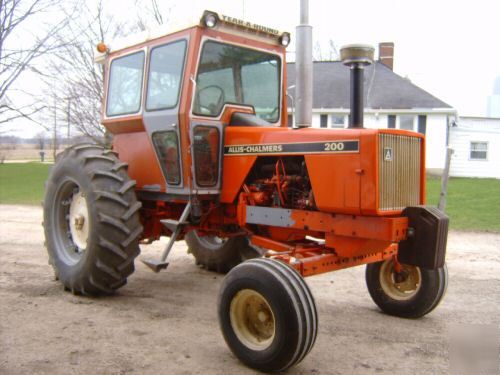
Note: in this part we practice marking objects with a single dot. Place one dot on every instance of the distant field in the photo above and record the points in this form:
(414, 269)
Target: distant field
(473, 203)
(24, 152)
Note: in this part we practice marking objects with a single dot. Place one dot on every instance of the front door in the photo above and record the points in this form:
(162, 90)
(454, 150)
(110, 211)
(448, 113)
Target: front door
(161, 114)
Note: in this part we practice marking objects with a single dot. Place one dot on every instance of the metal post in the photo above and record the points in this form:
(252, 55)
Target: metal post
(356, 99)
(303, 68)
(357, 56)
(444, 179)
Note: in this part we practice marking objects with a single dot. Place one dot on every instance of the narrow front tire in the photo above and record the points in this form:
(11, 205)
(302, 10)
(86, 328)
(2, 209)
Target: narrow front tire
(411, 293)
(267, 315)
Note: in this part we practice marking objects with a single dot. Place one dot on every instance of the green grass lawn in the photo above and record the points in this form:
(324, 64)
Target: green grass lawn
(473, 203)
(22, 183)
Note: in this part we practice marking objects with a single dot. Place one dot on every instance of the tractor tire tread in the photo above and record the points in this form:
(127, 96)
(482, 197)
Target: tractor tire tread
(127, 186)
(111, 196)
(101, 173)
(116, 223)
(110, 254)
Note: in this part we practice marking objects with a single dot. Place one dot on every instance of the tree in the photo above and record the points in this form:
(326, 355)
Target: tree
(80, 81)
(40, 139)
(20, 49)
(328, 52)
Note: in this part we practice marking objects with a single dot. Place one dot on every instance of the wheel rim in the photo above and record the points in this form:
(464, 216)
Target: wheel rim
(71, 222)
(400, 286)
(252, 319)
(79, 220)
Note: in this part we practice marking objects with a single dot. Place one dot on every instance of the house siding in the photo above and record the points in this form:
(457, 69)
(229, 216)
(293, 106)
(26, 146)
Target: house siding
(435, 133)
(475, 130)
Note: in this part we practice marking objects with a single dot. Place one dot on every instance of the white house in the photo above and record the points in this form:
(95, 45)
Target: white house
(391, 101)
(476, 147)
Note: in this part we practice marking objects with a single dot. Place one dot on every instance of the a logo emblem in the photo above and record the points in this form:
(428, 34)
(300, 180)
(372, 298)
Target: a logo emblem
(387, 154)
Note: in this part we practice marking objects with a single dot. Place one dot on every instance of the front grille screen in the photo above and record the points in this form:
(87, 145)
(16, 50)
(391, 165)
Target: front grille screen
(399, 171)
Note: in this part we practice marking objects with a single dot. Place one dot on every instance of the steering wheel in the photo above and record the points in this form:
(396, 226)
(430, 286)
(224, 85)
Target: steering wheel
(212, 108)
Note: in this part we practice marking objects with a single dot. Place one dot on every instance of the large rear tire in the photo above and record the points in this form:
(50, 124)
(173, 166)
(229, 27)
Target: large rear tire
(91, 220)
(412, 293)
(219, 254)
(267, 315)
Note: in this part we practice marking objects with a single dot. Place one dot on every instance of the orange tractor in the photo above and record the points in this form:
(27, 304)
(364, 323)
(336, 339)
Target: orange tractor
(202, 152)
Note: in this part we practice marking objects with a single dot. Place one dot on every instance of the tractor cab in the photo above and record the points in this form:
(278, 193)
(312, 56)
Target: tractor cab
(169, 98)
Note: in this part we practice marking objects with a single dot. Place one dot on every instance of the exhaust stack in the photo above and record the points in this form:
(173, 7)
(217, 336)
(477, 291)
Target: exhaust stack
(357, 56)
(303, 68)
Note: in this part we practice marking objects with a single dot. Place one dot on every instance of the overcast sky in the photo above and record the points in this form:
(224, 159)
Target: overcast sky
(449, 48)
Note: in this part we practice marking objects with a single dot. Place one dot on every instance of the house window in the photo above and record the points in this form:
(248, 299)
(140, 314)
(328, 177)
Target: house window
(407, 122)
(338, 121)
(323, 121)
(478, 151)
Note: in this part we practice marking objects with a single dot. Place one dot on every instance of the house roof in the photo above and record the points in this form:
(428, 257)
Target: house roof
(384, 89)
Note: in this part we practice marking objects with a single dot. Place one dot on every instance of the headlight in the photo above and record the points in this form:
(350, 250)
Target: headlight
(285, 39)
(210, 20)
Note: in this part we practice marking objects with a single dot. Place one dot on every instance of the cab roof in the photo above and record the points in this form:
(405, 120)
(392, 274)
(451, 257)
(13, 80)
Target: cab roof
(209, 19)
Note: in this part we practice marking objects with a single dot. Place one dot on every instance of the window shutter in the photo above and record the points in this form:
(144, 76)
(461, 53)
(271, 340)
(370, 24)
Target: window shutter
(391, 122)
(422, 124)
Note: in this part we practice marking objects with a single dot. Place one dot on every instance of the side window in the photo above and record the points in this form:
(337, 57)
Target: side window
(407, 122)
(167, 146)
(125, 84)
(206, 155)
(165, 75)
(337, 121)
(478, 151)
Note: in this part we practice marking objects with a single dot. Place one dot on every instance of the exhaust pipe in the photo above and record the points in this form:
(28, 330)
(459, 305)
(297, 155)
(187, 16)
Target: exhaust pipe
(303, 69)
(357, 56)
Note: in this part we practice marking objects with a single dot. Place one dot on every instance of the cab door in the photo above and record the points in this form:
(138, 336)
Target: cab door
(161, 110)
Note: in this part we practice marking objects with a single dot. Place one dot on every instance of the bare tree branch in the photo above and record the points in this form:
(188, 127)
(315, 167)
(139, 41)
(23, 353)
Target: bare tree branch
(16, 57)
(329, 52)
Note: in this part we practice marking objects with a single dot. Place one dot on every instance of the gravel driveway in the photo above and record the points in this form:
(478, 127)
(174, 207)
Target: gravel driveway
(166, 323)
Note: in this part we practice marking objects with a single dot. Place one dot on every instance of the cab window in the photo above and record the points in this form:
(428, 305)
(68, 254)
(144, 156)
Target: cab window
(233, 74)
(167, 146)
(165, 75)
(125, 84)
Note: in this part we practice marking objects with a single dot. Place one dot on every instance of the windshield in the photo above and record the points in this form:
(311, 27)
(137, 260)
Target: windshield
(232, 74)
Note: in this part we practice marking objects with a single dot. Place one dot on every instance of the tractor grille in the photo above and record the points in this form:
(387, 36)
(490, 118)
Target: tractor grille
(399, 171)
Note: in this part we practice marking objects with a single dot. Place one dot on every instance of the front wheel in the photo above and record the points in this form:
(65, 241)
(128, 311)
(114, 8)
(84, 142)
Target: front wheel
(267, 315)
(411, 293)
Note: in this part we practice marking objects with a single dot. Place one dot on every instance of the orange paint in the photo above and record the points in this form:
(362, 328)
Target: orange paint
(343, 209)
